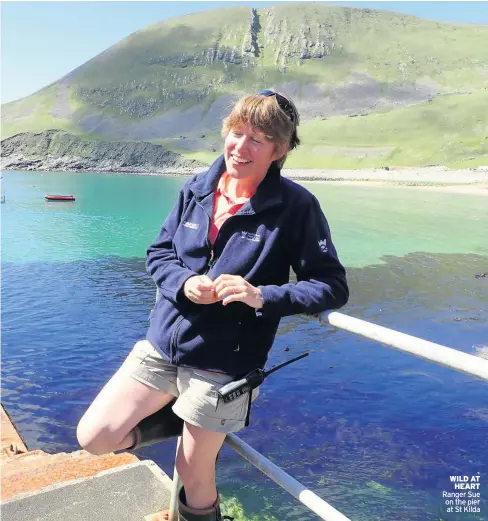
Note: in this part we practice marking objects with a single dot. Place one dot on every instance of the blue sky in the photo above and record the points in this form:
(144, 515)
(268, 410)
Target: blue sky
(43, 41)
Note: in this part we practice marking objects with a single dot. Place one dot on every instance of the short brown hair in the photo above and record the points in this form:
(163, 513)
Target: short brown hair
(265, 114)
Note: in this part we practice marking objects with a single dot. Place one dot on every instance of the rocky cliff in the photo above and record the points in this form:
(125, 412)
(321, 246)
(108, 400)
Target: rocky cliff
(53, 150)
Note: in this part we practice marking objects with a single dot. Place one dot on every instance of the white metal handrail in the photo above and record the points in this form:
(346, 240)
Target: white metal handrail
(315, 503)
(464, 362)
(452, 358)
(308, 498)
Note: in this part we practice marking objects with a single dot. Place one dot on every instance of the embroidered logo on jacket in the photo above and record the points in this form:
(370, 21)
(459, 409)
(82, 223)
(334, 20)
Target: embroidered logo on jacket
(323, 245)
(254, 237)
(193, 226)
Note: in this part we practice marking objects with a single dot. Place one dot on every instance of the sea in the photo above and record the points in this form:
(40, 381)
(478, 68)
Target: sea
(374, 431)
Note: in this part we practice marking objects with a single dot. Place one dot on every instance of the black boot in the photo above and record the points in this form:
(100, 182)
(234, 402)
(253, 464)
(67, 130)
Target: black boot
(187, 513)
(160, 426)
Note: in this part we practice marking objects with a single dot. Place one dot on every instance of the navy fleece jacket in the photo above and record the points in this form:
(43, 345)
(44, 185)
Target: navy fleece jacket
(282, 226)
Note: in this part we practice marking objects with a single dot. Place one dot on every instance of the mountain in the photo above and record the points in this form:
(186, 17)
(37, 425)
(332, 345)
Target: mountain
(374, 88)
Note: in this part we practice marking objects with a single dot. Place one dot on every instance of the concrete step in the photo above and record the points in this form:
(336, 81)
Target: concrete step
(36, 469)
(14, 459)
(132, 492)
(39, 458)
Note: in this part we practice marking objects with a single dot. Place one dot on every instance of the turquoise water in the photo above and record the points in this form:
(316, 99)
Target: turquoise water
(370, 222)
(121, 214)
(375, 432)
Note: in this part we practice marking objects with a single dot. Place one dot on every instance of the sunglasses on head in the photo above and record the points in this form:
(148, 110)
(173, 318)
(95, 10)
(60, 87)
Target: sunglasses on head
(283, 103)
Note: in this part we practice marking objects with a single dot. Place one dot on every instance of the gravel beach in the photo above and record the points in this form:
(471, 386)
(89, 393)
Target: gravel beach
(413, 175)
(468, 181)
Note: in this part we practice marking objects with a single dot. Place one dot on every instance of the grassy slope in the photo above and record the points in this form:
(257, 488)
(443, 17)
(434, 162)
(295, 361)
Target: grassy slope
(390, 47)
(451, 131)
(33, 114)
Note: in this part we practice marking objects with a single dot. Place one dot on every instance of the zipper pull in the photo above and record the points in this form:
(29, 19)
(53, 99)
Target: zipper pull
(211, 260)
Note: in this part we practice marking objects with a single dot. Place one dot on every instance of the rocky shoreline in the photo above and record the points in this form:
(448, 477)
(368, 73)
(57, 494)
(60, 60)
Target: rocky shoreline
(420, 176)
(473, 180)
(55, 150)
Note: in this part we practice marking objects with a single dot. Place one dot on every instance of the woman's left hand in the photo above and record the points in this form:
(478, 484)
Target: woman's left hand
(233, 288)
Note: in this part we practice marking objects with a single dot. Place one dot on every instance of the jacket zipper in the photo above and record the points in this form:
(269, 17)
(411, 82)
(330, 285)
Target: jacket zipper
(212, 260)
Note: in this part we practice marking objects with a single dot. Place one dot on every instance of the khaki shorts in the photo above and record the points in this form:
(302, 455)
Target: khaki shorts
(196, 390)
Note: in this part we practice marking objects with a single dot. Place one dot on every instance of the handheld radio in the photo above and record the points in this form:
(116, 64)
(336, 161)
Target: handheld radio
(229, 392)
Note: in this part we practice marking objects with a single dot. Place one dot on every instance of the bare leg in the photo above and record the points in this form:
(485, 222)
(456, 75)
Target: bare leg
(195, 463)
(123, 402)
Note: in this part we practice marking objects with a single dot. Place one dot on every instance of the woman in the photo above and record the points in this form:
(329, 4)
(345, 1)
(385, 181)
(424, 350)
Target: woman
(221, 264)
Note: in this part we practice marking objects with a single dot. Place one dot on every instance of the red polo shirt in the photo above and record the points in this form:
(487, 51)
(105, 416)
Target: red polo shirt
(224, 206)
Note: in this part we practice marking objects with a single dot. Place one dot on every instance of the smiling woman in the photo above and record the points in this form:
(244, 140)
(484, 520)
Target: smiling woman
(270, 114)
(221, 263)
(248, 154)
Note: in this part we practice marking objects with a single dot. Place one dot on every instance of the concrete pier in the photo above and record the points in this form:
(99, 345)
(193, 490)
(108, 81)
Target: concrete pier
(78, 484)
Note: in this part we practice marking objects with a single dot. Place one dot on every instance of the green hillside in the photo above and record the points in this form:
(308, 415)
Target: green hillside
(374, 88)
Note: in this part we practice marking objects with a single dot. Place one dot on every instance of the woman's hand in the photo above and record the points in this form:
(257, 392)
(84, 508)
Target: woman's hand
(200, 290)
(233, 288)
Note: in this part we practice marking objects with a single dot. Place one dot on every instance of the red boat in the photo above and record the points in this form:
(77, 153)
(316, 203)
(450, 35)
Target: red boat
(59, 197)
